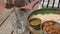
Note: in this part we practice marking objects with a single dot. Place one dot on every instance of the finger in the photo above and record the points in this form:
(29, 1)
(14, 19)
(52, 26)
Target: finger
(29, 6)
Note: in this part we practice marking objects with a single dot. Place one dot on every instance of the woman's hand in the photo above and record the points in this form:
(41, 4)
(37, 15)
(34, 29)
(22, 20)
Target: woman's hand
(30, 5)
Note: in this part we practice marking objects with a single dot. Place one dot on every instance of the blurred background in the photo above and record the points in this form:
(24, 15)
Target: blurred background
(7, 14)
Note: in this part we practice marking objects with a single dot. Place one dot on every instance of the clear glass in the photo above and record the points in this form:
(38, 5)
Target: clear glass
(21, 21)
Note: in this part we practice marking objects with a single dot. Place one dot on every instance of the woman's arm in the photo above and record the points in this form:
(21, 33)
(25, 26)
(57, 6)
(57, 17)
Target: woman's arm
(30, 5)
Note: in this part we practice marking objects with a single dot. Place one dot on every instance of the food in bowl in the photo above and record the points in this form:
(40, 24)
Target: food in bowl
(35, 23)
(50, 27)
(48, 15)
(49, 21)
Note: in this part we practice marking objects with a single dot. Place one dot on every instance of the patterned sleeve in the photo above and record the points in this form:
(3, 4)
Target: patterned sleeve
(33, 4)
(50, 3)
(43, 3)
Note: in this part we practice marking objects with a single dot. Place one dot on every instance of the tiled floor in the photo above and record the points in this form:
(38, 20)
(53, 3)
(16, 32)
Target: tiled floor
(6, 26)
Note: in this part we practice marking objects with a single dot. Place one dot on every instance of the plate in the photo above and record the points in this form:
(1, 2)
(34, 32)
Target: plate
(43, 12)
